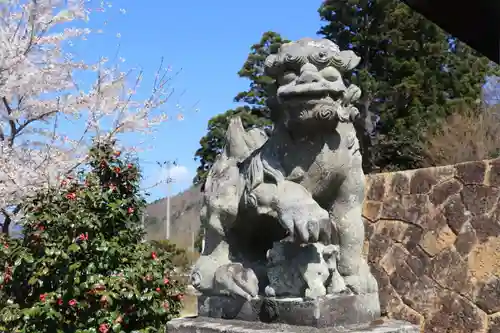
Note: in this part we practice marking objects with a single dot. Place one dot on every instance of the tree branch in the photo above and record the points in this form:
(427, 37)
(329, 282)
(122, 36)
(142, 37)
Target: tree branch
(12, 124)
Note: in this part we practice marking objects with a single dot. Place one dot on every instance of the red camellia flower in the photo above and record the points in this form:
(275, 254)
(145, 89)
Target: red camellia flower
(43, 297)
(6, 245)
(59, 301)
(153, 255)
(41, 227)
(72, 302)
(165, 305)
(104, 328)
(158, 289)
(117, 169)
(64, 182)
(130, 166)
(71, 196)
(166, 281)
(84, 237)
(180, 297)
(130, 210)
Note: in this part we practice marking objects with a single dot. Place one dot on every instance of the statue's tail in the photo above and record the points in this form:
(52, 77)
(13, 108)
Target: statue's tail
(240, 143)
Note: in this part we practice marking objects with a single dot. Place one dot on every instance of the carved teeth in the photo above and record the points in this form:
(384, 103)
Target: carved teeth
(312, 95)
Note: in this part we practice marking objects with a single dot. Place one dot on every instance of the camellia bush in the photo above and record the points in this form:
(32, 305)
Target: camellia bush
(82, 265)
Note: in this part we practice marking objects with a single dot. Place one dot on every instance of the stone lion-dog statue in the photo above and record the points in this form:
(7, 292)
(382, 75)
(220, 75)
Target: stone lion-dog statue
(303, 184)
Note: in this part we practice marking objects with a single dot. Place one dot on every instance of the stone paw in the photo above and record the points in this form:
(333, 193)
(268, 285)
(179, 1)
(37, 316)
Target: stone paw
(337, 284)
(235, 280)
(270, 292)
(361, 284)
(315, 292)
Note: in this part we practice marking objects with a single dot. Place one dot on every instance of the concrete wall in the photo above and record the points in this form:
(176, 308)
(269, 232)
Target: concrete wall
(433, 243)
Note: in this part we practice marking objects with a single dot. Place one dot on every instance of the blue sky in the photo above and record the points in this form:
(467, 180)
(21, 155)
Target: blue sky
(210, 42)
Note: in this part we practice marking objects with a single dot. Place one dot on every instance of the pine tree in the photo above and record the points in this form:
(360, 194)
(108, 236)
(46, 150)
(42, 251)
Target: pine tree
(253, 70)
(412, 73)
(82, 265)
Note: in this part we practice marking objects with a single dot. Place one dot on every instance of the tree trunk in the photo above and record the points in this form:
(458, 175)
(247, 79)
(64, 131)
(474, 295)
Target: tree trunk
(6, 224)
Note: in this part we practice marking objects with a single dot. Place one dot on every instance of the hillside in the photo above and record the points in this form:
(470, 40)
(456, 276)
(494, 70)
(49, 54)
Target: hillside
(184, 220)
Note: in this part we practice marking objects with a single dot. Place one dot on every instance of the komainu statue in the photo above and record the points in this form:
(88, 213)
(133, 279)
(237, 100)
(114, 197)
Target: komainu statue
(282, 213)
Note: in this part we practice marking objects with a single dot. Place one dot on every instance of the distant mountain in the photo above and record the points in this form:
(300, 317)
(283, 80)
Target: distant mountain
(184, 218)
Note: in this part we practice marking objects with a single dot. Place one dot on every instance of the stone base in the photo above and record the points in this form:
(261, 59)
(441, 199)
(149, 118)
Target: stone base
(327, 311)
(212, 325)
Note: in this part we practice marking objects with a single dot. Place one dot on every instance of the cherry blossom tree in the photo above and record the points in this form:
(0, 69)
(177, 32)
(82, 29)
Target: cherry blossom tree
(40, 95)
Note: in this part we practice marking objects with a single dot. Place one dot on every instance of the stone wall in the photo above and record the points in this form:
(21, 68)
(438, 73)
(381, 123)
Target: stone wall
(433, 242)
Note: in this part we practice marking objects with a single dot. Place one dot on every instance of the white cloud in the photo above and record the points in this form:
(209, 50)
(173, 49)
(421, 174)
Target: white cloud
(156, 186)
(178, 174)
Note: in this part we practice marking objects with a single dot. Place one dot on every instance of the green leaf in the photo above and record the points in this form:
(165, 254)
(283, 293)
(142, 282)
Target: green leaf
(29, 259)
(74, 266)
(90, 267)
(74, 248)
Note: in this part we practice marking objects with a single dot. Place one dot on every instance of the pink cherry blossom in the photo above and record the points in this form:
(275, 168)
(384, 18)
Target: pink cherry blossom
(38, 86)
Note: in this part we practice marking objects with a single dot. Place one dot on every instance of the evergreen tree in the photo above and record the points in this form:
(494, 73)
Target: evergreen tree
(82, 265)
(253, 70)
(256, 111)
(412, 73)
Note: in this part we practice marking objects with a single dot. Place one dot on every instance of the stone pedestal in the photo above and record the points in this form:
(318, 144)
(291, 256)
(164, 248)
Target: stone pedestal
(213, 325)
(327, 311)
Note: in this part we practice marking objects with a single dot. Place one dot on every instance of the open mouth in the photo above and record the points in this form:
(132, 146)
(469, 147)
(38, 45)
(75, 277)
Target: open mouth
(312, 95)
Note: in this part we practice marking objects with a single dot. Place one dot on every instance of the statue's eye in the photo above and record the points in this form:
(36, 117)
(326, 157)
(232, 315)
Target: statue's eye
(320, 58)
(330, 73)
(287, 78)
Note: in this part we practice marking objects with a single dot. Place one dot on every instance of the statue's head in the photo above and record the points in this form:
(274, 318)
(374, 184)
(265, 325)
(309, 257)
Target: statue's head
(310, 88)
